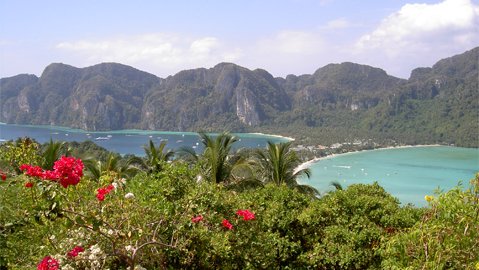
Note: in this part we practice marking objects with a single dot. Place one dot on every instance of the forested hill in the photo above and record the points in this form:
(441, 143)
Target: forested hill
(338, 102)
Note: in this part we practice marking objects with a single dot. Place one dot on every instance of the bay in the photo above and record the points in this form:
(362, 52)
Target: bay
(407, 173)
(125, 141)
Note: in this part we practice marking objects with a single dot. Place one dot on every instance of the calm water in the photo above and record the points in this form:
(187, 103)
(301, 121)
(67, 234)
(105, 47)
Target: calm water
(407, 173)
(124, 141)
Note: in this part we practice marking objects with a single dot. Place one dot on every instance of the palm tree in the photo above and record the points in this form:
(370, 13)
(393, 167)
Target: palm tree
(216, 163)
(52, 153)
(157, 156)
(278, 164)
(112, 165)
(336, 185)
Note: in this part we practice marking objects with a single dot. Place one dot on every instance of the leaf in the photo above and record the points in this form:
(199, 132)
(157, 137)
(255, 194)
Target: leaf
(96, 224)
(79, 221)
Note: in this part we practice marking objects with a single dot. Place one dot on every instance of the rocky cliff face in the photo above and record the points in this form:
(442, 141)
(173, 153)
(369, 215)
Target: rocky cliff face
(341, 86)
(105, 96)
(226, 95)
(437, 100)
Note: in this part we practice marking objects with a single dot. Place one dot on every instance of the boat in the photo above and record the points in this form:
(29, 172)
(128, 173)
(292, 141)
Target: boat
(102, 138)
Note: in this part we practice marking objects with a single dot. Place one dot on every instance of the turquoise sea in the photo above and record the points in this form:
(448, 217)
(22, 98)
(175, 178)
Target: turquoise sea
(407, 173)
(125, 141)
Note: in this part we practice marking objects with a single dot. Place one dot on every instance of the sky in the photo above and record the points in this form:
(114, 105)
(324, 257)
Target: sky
(281, 36)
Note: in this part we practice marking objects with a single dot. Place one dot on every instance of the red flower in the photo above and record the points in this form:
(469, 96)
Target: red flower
(227, 224)
(50, 175)
(28, 184)
(33, 171)
(75, 251)
(4, 176)
(66, 170)
(197, 219)
(246, 214)
(48, 263)
(101, 192)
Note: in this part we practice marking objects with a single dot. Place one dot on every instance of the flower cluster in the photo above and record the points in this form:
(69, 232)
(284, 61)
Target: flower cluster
(246, 214)
(129, 195)
(227, 224)
(67, 171)
(197, 219)
(3, 175)
(75, 251)
(48, 263)
(33, 171)
(101, 192)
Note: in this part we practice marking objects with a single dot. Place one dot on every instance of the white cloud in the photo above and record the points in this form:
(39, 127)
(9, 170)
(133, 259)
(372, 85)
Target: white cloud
(162, 54)
(165, 54)
(416, 35)
(292, 42)
(418, 23)
(203, 46)
(335, 24)
(422, 33)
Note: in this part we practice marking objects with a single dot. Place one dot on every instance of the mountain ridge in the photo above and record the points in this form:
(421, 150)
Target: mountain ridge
(355, 99)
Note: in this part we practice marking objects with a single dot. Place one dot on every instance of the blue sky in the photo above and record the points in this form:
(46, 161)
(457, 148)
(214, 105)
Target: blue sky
(282, 36)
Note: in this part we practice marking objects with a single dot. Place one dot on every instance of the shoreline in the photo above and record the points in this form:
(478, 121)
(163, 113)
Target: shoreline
(310, 162)
(272, 135)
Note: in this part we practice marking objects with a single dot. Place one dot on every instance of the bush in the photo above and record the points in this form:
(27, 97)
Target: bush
(169, 220)
(344, 230)
(447, 237)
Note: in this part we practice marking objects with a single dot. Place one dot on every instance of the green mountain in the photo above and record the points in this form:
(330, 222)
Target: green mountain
(226, 96)
(338, 102)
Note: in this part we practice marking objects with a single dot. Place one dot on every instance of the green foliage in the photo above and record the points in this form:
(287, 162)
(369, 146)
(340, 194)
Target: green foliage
(169, 220)
(278, 165)
(22, 151)
(217, 164)
(113, 167)
(52, 152)
(338, 103)
(155, 156)
(345, 228)
(446, 237)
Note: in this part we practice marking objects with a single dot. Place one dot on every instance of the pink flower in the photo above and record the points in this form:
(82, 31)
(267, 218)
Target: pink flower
(75, 251)
(28, 184)
(246, 214)
(197, 219)
(101, 192)
(227, 224)
(48, 263)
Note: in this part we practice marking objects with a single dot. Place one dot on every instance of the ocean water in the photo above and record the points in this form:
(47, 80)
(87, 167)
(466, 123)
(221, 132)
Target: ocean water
(125, 141)
(407, 173)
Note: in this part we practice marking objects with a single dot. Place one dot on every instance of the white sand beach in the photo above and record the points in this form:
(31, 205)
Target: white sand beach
(308, 163)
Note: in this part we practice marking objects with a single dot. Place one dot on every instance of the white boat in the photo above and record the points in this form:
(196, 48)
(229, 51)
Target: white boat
(102, 138)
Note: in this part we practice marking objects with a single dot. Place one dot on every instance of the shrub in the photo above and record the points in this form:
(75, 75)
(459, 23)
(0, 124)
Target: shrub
(447, 237)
